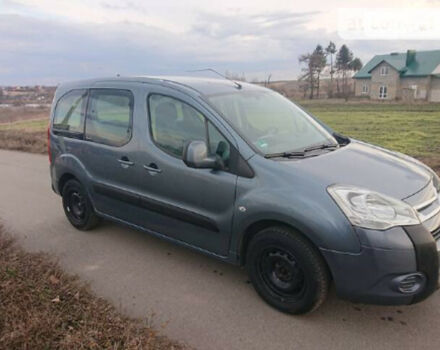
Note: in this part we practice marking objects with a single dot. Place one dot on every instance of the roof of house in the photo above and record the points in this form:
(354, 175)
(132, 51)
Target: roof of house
(423, 64)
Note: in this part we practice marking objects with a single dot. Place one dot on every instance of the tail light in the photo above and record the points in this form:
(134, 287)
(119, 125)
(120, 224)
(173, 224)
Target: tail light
(48, 145)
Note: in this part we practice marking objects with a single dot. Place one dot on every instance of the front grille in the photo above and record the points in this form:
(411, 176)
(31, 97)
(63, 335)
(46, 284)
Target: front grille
(436, 234)
(427, 204)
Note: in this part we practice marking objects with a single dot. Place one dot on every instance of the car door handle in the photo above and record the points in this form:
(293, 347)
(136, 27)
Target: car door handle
(152, 168)
(125, 162)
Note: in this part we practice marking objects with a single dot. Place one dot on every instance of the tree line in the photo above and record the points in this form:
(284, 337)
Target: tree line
(316, 62)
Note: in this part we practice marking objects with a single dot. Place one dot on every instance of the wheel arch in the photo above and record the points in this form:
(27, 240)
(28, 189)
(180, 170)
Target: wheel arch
(63, 179)
(255, 227)
(67, 167)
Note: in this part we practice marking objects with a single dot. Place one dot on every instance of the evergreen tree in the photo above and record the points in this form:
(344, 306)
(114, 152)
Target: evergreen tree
(319, 62)
(330, 51)
(356, 64)
(343, 62)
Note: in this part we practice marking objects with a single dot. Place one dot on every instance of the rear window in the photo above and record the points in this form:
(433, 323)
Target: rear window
(69, 112)
(109, 115)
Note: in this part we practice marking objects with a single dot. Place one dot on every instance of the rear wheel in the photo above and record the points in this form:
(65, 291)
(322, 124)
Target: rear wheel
(77, 206)
(287, 271)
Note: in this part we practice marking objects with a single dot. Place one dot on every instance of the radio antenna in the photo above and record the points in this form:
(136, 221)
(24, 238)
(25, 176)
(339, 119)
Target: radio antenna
(237, 84)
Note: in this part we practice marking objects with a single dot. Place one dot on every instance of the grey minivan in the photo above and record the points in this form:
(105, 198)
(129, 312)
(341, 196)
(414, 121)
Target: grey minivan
(239, 172)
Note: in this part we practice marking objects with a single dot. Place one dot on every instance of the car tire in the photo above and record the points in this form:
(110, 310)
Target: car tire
(77, 206)
(287, 271)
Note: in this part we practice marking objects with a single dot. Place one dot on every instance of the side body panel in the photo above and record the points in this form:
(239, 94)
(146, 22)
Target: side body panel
(190, 205)
(282, 195)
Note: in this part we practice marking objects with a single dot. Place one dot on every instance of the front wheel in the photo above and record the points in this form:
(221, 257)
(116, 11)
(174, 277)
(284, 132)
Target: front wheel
(77, 206)
(287, 271)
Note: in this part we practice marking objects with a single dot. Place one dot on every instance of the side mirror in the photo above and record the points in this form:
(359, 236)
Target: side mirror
(195, 155)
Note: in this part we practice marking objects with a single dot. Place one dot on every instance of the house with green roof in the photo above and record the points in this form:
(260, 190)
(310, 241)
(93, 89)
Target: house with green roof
(413, 75)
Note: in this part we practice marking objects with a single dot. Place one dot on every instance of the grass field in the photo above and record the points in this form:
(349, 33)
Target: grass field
(411, 129)
(26, 125)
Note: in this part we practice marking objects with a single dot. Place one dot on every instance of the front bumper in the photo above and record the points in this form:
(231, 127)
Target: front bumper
(370, 276)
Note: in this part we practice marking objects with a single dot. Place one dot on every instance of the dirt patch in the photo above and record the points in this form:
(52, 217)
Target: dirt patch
(26, 141)
(42, 307)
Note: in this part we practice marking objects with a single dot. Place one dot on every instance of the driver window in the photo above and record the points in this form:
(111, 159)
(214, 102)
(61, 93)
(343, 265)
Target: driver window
(174, 122)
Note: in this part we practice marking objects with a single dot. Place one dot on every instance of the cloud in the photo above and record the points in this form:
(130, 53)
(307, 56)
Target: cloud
(219, 26)
(47, 50)
(50, 42)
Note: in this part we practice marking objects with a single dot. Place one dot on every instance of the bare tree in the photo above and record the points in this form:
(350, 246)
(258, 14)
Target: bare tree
(314, 63)
(235, 76)
(267, 81)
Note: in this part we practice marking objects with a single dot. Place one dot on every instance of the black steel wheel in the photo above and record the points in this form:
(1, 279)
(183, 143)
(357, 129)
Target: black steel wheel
(281, 273)
(77, 206)
(287, 271)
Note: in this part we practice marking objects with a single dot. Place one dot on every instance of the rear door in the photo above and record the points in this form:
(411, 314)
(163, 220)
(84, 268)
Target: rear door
(108, 148)
(194, 206)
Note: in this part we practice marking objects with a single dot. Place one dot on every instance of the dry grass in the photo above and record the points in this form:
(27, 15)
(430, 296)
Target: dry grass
(14, 114)
(23, 129)
(42, 307)
(26, 141)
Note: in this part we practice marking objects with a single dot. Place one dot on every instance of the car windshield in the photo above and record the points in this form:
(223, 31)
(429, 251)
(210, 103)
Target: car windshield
(270, 122)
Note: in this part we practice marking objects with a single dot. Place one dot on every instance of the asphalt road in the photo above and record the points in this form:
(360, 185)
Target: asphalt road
(192, 298)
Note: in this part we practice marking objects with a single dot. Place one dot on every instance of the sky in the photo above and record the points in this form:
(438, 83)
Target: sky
(51, 41)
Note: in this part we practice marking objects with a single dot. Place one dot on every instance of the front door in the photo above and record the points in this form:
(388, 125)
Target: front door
(194, 206)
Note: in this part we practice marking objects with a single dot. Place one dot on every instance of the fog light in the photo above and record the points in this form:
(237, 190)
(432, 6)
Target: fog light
(409, 284)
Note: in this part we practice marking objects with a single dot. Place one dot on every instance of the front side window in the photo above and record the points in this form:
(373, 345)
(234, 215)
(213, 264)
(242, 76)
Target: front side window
(269, 121)
(365, 89)
(383, 92)
(384, 70)
(173, 123)
(109, 115)
(69, 112)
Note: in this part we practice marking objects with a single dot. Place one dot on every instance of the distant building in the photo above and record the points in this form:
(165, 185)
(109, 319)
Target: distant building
(414, 75)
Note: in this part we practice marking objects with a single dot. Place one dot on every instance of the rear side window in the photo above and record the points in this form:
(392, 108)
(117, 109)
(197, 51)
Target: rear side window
(69, 112)
(109, 116)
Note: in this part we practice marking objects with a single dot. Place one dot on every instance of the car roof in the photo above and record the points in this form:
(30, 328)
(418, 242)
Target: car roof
(197, 85)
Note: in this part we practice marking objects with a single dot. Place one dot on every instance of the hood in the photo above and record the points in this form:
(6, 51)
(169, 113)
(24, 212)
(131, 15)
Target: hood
(366, 166)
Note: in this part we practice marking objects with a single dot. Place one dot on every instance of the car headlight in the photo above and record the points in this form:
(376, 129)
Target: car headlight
(372, 210)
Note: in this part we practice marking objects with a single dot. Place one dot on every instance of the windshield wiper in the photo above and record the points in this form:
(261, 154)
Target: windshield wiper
(294, 154)
(323, 146)
(302, 153)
